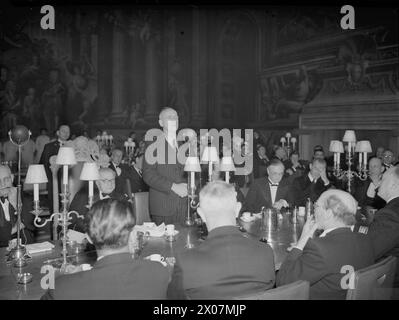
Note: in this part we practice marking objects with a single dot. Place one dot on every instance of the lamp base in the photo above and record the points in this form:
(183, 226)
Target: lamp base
(17, 256)
(189, 222)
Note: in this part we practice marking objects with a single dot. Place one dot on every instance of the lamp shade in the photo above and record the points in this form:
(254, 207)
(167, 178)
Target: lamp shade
(66, 156)
(336, 146)
(363, 146)
(227, 164)
(210, 155)
(349, 136)
(89, 172)
(36, 174)
(192, 164)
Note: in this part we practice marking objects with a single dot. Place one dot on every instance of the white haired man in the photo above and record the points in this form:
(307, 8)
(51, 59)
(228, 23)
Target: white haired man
(322, 261)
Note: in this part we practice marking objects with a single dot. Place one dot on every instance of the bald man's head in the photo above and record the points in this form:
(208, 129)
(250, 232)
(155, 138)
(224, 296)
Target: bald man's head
(375, 166)
(218, 204)
(169, 120)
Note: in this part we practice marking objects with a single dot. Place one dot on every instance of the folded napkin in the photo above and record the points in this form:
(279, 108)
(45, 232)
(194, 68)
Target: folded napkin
(39, 247)
(73, 235)
(152, 229)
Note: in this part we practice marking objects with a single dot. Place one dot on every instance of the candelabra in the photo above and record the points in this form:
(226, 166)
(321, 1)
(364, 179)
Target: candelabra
(129, 146)
(104, 139)
(19, 136)
(286, 143)
(65, 157)
(362, 147)
(192, 166)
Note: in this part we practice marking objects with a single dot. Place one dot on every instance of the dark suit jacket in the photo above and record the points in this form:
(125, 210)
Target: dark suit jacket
(50, 149)
(360, 194)
(321, 261)
(259, 166)
(160, 177)
(384, 233)
(128, 172)
(259, 195)
(6, 227)
(303, 188)
(79, 203)
(225, 265)
(116, 276)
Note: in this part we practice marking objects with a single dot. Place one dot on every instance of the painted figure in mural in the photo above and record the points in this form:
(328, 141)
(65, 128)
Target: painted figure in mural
(31, 110)
(52, 100)
(82, 91)
(134, 114)
(178, 92)
(10, 104)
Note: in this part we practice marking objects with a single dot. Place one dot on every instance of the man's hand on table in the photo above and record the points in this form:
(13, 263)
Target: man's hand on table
(180, 189)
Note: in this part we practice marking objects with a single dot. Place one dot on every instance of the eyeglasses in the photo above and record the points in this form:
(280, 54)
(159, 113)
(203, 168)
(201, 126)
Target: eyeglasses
(388, 156)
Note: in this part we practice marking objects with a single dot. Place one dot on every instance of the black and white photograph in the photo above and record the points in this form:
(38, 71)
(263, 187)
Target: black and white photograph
(199, 151)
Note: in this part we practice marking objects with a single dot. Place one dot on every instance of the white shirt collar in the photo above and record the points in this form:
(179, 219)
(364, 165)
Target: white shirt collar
(331, 229)
(311, 177)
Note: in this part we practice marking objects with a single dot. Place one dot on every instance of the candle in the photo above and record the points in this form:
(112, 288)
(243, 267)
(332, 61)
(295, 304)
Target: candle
(65, 176)
(349, 148)
(365, 159)
(360, 160)
(338, 159)
(227, 176)
(288, 135)
(335, 159)
(111, 138)
(192, 180)
(90, 188)
(35, 192)
(210, 170)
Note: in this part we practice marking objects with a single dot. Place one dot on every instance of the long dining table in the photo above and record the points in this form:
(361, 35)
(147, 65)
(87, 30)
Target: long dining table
(279, 236)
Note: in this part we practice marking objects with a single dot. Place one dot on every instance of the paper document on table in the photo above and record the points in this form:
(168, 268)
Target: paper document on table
(153, 230)
(39, 247)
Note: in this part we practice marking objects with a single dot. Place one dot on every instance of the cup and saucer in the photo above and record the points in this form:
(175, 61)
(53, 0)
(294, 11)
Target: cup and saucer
(170, 232)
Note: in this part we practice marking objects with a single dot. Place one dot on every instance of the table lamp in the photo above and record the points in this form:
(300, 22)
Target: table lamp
(90, 173)
(210, 155)
(227, 165)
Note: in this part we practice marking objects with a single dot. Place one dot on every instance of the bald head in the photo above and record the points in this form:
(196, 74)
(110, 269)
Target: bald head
(169, 120)
(218, 205)
(375, 166)
(106, 184)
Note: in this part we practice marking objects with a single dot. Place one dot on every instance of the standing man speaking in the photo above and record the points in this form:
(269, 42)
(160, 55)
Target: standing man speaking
(165, 177)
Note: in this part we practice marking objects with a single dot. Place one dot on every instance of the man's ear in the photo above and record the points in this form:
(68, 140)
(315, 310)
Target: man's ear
(58, 133)
(12, 177)
(160, 123)
(310, 166)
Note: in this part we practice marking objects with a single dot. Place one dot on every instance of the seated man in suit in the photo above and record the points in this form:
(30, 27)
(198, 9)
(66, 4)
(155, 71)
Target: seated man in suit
(105, 189)
(295, 167)
(115, 275)
(388, 159)
(226, 264)
(384, 230)
(312, 184)
(366, 191)
(8, 213)
(124, 172)
(271, 191)
(321, 260)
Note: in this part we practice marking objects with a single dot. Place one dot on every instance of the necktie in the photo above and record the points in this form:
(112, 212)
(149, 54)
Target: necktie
(5, 204)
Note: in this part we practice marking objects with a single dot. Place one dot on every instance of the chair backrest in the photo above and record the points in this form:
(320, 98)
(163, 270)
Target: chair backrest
(141, 207)
(374, 282)
(298, 290)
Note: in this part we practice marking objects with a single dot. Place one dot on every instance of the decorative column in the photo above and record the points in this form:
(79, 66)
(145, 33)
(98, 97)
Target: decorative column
(118, 69)
(103, 69)
(199, 90)
(305, 144)
(152, 78)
